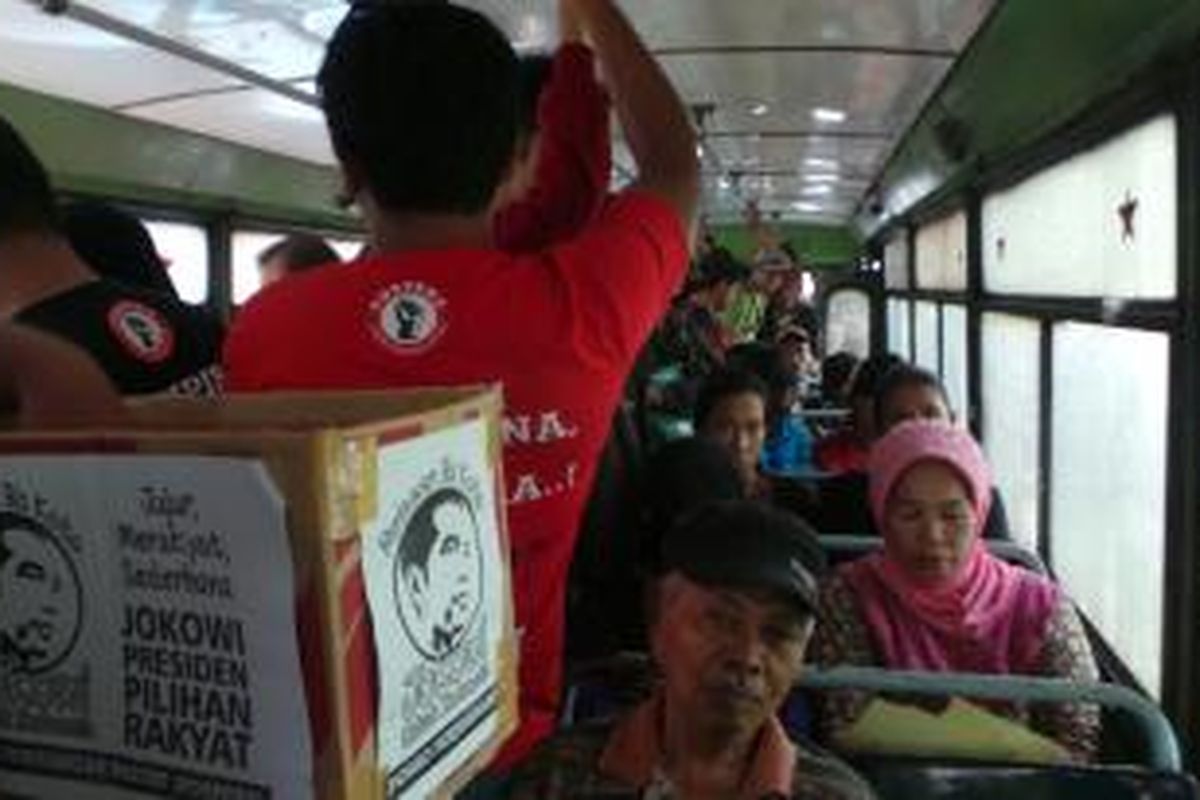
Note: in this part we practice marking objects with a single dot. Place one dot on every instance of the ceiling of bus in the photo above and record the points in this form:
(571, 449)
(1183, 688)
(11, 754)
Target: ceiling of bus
(800, 103)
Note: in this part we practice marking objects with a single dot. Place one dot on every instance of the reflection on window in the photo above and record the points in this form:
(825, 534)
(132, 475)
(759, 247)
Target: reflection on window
(942, 253)
(898, 329)
(184, 251)
(1011, 353)
(895, 262)
(954, 356)
(1108, 484)
(1101, 224)
(927, 344)
(848, 323)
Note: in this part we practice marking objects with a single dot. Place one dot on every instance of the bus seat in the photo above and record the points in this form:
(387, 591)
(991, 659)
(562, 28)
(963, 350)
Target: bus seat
(1160, 748)
(895, 778)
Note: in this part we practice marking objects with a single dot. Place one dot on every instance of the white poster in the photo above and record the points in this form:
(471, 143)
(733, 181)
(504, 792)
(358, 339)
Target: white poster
(147, 632)
(435, 584)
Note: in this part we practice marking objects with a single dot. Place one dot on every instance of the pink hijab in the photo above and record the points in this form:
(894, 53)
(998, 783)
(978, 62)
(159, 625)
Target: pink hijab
(990, 617)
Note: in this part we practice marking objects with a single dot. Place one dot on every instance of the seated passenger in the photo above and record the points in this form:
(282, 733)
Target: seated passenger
(788, 446)
(116, 245)
(903, 393)
(935, 599)
(729, 627)
(421, 104)
(294, 253)
(846, 450)
(145, 341)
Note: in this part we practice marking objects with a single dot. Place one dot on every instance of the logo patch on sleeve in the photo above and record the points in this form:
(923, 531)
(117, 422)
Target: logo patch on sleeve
(408, 317)
(142, 331)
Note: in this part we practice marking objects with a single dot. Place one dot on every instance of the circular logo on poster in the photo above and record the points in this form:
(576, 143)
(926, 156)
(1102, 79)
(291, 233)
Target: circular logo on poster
(438, 572)
(41, 598)
(409, 317)
(142, 331)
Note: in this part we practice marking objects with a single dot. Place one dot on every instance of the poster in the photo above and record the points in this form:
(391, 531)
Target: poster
(147, 644)
(436, 587)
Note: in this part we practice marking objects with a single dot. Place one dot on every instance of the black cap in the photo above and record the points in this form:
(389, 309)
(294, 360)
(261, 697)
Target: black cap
(747, 545)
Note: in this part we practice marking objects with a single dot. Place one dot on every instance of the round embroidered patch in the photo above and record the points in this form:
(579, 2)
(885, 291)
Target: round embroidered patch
(408, 317)
(142, 331)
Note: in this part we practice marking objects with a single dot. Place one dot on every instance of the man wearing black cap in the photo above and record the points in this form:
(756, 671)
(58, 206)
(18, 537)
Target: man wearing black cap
(732, 615)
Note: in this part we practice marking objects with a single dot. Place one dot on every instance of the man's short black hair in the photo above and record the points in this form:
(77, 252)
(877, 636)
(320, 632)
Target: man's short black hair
(722, 383)
(903, 376)
(421, 100)
(299, 251)
(418, 540)
(870, 372)
(26, 198)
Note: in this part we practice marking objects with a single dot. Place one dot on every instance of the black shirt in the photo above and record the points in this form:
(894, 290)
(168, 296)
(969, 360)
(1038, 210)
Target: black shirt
(145, 341)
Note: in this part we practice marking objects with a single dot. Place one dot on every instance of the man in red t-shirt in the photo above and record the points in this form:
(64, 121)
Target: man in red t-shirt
(420, 102)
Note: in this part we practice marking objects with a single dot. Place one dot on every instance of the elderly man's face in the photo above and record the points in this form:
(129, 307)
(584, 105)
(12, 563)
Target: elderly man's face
(728, 657)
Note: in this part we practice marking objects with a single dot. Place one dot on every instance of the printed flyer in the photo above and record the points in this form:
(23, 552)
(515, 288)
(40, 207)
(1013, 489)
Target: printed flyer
(435, 583)
(147, 644)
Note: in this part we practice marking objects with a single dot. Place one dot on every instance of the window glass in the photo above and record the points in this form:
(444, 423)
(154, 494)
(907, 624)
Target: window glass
(954, 356)
(942, 253)
(926, 343)
(347, 249)
(1108, 484)
(1101, 224)
(1011, 353)
(898, 332)
(895, 262)
(246, 247)
(848, 322)
(184, 250)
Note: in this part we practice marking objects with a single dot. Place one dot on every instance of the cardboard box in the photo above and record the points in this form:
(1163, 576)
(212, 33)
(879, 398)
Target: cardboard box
(152, 627)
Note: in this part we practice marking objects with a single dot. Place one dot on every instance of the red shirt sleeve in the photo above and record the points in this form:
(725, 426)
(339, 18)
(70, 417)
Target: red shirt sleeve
(620, 274)
(574, 159)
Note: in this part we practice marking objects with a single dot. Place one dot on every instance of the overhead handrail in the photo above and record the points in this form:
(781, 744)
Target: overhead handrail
(1162, 747)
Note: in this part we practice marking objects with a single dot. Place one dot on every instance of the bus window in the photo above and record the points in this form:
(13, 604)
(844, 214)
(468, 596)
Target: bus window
(184, 250)
(927, 344)
(1101, 224)
(246, 247)
(347, 249)
(954, 356)
(1108, 484)
(848, 322)
(898, 328)
(895, 262)
(1011, 360)
(942, 254)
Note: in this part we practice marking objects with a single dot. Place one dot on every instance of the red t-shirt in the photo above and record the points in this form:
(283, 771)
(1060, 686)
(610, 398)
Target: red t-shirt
(560, 329)
(574, 158)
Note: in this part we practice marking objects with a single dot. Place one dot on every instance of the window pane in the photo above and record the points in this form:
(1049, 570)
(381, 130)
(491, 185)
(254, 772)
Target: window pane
(926, 344)
(899, 338)
(942, 253)
(246, 247)
(1108, 484)
(184, 250)
(1101, 224)
(848, 322)
(895, 262)
(1011, 353)
(347, 249)
(954, 356)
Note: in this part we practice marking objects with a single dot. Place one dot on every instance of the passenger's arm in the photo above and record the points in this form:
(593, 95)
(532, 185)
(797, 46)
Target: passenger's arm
(574, 155)
(49, 383)
(840, 639)
(656, 123)
(1067, 654)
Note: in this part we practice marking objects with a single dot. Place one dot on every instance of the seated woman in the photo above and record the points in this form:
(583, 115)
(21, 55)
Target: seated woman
(935, 599)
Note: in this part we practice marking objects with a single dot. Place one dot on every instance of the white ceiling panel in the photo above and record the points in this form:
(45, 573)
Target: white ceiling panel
(68, 59)
(807, 92)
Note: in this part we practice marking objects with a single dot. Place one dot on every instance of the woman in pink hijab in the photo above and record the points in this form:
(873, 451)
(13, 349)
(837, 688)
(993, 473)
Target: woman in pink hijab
(935, 599)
